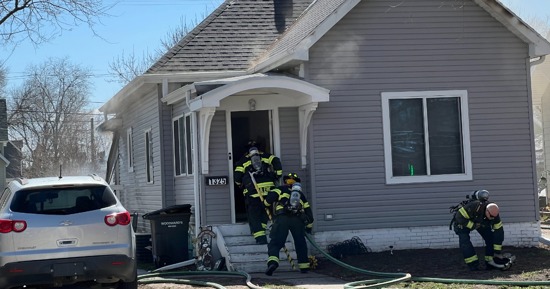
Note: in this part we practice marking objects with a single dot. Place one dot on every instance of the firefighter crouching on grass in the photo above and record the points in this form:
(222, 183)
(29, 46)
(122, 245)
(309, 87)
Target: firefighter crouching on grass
(477, 213)
(266, 169)
(292, 212)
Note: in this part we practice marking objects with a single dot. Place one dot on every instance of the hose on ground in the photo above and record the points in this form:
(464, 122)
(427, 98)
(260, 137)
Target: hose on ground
(401, 277)
(163, 277)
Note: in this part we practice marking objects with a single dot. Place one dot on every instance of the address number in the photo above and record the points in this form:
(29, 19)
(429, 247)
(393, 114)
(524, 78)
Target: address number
(216, 181)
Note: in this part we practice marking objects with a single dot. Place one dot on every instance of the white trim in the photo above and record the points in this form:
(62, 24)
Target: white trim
(538, 46)
(149, 167)
(312, 93)
(130, 149)
(305, 113)
(230, 164)
(205, 114)
(465, 125)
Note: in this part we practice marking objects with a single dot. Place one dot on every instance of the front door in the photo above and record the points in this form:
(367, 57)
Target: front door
(246, 126)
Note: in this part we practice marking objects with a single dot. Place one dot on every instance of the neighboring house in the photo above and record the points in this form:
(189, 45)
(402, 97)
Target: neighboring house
(390, 111)
(541, 102)
(4, 162)
(13, 153)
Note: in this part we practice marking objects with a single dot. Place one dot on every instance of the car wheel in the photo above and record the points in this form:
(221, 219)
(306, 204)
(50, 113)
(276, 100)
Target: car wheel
(131, 284)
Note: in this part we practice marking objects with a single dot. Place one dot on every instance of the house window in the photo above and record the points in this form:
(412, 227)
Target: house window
(426, 136)
(149, 155)
(183, 150)
(130, 150)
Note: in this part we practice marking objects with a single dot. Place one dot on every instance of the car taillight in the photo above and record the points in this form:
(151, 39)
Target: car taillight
(118, 219)
(16, 226)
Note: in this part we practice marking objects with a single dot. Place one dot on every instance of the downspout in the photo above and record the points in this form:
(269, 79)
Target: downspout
(538, 61)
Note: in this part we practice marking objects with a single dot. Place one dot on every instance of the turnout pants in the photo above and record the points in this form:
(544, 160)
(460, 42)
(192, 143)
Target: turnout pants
(279, 232)
(493, 244)
(257, 218)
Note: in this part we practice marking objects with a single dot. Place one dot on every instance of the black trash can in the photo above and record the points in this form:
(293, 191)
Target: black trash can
(169, 234)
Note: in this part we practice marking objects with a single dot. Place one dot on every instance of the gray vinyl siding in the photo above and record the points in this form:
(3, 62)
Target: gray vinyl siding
(166, 152)
(418, 46)
(290, 143)
(218, 206)
(140, 196)
(184, 184)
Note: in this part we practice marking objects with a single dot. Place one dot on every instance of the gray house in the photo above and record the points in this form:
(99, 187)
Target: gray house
(390, 111)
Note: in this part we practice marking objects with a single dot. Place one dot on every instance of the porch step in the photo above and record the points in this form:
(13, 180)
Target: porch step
(243, 254)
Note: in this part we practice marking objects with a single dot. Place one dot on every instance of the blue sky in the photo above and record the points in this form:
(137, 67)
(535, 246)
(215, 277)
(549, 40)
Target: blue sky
(139, 25)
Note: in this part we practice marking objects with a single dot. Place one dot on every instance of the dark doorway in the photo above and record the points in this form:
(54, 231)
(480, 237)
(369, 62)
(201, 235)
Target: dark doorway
(246, 126)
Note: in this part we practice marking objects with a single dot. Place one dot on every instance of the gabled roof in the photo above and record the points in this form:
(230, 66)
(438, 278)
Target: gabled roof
(323, 14)
(235, 33)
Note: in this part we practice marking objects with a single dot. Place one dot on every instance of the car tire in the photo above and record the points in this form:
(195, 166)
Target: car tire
(131, 284)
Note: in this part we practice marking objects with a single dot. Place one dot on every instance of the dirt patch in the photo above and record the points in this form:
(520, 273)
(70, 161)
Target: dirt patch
(532, 264)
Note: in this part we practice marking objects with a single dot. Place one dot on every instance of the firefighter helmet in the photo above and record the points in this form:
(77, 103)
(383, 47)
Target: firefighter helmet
(291, 178)
(491, 211)
(481, 195)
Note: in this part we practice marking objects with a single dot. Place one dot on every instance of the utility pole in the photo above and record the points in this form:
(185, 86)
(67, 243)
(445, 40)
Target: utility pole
(92, 145)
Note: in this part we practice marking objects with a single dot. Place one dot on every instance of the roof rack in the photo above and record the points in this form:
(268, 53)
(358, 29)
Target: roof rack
(22, 181)
(96, 177)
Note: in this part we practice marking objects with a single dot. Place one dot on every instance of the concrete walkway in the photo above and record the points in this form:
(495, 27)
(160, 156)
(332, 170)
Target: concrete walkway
(309, 280)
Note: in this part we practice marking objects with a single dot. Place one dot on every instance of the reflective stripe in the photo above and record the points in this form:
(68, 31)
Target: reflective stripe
(306, 205)
(463, 212)
(273, 259)
(488, 258)
(246, 164)
(303, 265)
(258, 234)
(239, 169)
(279, 207)
(284, 195)
(497, 247)
(268, 160)
(310, 225)
(470, 224)
(471, 259)
(279, 173)
(497, 226)
(264, 225)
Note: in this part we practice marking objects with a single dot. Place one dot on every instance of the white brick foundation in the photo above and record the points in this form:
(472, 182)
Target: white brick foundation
(435, 237)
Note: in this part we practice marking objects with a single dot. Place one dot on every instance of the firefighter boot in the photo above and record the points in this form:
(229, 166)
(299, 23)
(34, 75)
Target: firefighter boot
(474, 266)
(262, 240)
(271, 267)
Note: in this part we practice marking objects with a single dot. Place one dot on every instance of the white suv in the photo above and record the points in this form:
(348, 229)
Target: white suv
(65, 230)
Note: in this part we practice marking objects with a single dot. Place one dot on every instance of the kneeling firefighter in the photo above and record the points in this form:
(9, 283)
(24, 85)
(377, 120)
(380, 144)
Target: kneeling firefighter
(293, 213)
(477, 213)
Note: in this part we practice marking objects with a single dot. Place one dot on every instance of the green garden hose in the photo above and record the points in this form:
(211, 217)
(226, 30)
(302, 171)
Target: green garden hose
(401, 277)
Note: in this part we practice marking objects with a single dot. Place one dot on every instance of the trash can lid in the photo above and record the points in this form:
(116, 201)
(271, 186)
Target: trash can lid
(175, 209)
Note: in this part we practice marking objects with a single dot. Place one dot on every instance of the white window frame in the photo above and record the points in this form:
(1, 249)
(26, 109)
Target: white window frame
(465, 126)
(149, 168)
(187, 149)
(130, 150)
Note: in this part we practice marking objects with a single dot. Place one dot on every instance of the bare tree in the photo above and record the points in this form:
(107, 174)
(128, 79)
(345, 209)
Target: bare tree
(47, 113)
(3, 82)
(41, 20)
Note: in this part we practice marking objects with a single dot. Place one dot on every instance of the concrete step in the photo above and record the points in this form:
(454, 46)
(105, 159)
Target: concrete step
(243, 254)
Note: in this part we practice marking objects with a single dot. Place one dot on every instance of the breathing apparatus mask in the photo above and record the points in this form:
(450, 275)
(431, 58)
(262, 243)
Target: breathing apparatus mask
(255, 158)
(294, 204)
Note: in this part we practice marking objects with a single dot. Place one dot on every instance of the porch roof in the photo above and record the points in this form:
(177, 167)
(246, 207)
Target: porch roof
(205, 97)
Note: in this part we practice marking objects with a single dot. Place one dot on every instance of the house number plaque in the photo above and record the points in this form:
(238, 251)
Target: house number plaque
(216, 181)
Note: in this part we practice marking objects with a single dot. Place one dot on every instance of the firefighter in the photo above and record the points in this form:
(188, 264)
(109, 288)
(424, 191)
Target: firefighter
(265, 169)
(483, 216)
(292, 212)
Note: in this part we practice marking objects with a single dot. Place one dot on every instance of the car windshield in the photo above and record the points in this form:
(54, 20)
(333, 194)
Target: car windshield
(62, 200)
